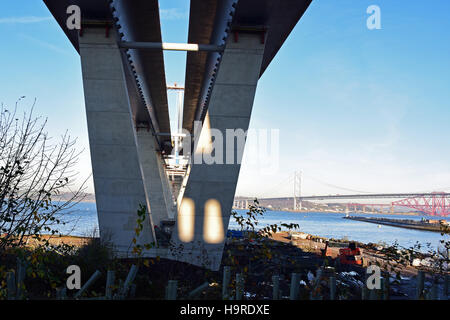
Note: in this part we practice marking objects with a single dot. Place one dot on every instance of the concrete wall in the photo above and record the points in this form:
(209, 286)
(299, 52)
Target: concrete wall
(155, 180)
(168, 192)
(119, 188)
(229, 108)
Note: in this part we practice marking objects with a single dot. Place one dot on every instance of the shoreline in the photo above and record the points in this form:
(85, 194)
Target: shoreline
(312, 211)
(341, 212)
(306, 242)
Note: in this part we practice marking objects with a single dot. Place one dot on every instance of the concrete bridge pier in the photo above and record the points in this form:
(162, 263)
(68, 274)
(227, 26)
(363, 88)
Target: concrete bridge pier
(210, 188)
(157, 189)
(119, 188)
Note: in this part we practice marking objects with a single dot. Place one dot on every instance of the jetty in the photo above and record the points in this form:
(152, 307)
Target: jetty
(424, 224)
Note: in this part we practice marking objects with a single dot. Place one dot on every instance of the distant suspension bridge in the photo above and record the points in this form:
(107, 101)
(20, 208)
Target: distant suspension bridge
(430, 203)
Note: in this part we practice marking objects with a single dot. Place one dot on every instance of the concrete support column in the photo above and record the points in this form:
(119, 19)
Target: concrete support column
(169, 195)
(119, 188)
(154, 176)
(210, 189)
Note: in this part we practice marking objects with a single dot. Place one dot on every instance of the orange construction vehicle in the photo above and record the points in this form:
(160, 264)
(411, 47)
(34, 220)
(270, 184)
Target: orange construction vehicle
(350, 255)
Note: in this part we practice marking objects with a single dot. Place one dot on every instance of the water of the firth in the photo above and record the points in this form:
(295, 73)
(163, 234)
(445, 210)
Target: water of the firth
(83, 221)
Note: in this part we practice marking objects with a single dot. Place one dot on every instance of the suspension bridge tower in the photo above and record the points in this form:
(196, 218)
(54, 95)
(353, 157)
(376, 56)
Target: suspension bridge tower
(297, 190)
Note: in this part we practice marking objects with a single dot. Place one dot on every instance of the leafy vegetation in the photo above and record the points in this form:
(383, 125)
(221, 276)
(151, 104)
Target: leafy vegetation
(33, 172)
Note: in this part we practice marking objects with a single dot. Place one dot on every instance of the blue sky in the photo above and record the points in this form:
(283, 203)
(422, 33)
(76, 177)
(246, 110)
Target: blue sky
(363, 109)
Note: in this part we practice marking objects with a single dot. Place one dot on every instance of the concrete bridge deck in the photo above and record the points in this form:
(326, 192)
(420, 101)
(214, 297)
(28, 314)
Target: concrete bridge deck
(128, 119)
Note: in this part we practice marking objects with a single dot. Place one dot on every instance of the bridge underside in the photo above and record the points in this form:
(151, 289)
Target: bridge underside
(128, 122)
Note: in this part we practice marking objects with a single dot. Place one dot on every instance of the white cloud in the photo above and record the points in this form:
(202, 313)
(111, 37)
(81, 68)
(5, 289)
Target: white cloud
(26, 19)
(172, 14)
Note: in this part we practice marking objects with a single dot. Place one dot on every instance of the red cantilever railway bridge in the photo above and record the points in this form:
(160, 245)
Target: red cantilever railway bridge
(433, 204)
